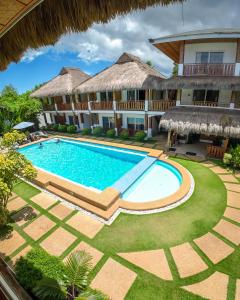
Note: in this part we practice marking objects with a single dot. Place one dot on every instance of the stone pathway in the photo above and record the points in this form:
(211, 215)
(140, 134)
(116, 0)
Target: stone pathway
(61, 211)
(44, 200)
(232, 214)
(20, 254)
(228, 230)
(16, 204)
(153, 261)
(114, 280)
(26, 214)
(237, 294)
(11, 243)
(233, 199)
(214, 287)
(39, 227)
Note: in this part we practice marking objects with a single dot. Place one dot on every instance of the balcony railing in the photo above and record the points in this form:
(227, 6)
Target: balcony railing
(81, 106)
(64, 106)
(49, 107)
(205, 103)
(160, 105)
(209, 69)
(103, 105)
(130, 105)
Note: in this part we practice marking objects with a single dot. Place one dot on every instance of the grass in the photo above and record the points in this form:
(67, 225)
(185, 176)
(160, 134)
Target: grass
(162, 230)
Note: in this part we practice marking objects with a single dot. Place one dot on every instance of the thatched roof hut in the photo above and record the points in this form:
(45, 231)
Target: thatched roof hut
(201, 82)
(35, 23)
(203, 120)
(63, 84)
(129, 72)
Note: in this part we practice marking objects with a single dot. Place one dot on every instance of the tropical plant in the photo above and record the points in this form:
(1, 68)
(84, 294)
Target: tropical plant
(62, 127)
(111, 133)
(86, 131)
(98, 131)
(12, 166)
(233, 158)
(74, 282)
(124, 134)
(227, 158)
(175, 69)
(140, 136)
(71, 129)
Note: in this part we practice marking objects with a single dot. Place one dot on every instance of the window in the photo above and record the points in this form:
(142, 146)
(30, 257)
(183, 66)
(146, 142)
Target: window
(198, 95)
(212, 96)
(206, 95)
(209, 57)
(135, 123)
(108, 122)
(130, 95)
(68, 99)
(110, 96)
(157, 94)
(103, 96)
(70, 120)
(140, 95)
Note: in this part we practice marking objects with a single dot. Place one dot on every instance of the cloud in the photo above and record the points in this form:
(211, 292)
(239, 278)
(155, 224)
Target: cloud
(130, 33)
(31, 54)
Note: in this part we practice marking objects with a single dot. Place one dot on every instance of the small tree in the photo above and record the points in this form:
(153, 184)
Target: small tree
(175, 70)
(12, 166)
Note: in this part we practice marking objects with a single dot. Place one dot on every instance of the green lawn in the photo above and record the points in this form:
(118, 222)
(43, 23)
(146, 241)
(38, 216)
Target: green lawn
(162, 230)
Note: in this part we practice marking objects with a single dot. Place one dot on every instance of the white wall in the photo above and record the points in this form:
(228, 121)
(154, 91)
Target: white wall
(187, 96)
(125, 116)
(229, 49)
(224, 98)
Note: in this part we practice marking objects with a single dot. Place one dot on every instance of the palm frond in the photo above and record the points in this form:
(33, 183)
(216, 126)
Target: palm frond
(48, 289)
(92, 295)
(78, 266)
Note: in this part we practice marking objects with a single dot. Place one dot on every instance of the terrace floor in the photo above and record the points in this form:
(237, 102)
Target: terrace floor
(190, 252)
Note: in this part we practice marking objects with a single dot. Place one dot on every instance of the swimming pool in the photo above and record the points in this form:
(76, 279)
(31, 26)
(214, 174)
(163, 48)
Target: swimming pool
(91, 165)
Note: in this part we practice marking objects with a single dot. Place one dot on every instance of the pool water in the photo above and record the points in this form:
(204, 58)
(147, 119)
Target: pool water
(159, 181)
(88, 164)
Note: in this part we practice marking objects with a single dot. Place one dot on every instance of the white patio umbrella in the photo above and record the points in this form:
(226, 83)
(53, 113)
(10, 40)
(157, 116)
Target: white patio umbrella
(23, 125)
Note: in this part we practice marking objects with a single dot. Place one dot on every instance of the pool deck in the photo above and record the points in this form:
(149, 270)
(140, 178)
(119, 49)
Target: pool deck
(107, 202)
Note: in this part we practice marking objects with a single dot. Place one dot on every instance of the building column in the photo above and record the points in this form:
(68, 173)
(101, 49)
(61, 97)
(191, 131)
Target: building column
(149, 130)
(169, 138)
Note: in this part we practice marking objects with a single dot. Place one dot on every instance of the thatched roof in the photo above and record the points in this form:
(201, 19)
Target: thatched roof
(35, 23)
(129, 72)
(63, 84)
(205, 120)
(201, 82)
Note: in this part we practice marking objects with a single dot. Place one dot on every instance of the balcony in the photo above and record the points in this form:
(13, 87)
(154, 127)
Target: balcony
(205, 103)
(103, 105)
(49, 107)
(209, 69)
(81, 106)
(131, 105)
(64, 106)
(160, 105)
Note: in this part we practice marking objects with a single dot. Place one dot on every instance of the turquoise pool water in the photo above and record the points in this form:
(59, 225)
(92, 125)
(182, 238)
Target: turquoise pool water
(84, 163)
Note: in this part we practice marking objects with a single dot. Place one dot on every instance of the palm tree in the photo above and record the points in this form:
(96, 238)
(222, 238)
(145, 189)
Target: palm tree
(74, 282)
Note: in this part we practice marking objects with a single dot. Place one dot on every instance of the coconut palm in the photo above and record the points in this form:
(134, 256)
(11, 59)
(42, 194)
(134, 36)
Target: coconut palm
(74, 282)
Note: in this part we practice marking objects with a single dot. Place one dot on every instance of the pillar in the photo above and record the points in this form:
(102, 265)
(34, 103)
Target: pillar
(149, 130)
(169, 138)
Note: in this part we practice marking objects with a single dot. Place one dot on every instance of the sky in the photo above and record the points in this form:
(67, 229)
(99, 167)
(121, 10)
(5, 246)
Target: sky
(102, 44)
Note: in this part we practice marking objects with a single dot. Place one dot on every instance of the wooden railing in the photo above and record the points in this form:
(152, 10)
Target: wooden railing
(64, 106)
(49, 107)
(209, 69)
(130, 105)
(81, 106)
(160, 105)
(215, 151)
(205, 103)
(103, 105)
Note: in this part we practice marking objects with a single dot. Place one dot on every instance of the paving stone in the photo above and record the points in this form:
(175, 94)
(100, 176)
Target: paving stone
(96, 254)
(228, 178)
(61, 211)
(229, 231)
(153, 261)
(85, 224)
(208, 164)
(13, 195)
(39, 227)
(233, 214)
(159, 147)
(20, 254)
(16, 204)
(10, 243)
(233, 199)
(149, 145)
(44, 200)
(187, 260)
(237, 293)
(114, 280)
(57, 242)
(214, 248)
(137, 144)
(232, 187)
(214, 287)
(219, 170)
(24, 215)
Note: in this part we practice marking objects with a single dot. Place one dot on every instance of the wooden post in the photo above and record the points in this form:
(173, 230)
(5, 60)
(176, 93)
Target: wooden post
(169, 138)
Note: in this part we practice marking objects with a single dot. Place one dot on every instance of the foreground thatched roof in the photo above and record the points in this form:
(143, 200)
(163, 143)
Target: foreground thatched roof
(129, 72)
(201, 82)
(205, 120)
(63, 84)
(35, 23)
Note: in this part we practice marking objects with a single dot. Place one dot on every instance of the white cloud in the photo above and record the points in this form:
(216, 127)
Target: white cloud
(31, 54)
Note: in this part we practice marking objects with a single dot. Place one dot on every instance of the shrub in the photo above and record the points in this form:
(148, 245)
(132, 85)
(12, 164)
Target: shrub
(54, 127)
(227, 158)
(71, 129)
(36, 265)
(140, 136)
(111, 133)
(86, 131)
(62, 128)
(124, 134)
(235, 160)
(98, 131)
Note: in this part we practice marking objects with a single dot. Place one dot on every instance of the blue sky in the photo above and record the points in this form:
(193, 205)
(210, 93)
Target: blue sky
(102, 44)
